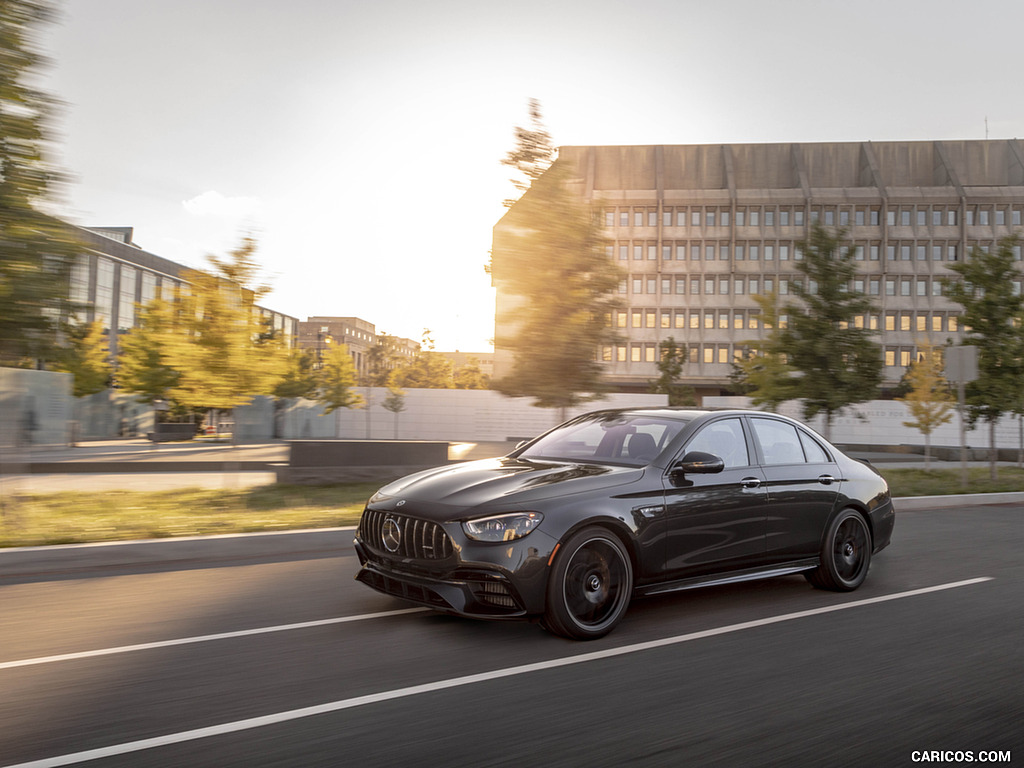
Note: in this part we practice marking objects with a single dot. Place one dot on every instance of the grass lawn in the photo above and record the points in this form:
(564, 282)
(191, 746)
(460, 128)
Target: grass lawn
(75, 517)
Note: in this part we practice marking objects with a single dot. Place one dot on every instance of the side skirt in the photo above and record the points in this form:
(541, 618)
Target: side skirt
(733, 577)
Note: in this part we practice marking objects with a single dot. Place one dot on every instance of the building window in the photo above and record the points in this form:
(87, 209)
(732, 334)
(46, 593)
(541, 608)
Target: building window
(754, 217)
(769, 217)
(652, 217)
(126, 298)
(724, 216)
(104, 304)
(638, 218)
(637, 319)
(740, 217)
(709, 353)
(798, 217)
(694, 253)
(890, 357)
(634, 353)
(695, 320)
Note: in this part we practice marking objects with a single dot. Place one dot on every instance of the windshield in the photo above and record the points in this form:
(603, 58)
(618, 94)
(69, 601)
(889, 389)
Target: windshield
(608, 438)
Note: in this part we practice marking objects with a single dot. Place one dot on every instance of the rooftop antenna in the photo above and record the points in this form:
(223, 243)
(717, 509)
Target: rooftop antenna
(986, 127)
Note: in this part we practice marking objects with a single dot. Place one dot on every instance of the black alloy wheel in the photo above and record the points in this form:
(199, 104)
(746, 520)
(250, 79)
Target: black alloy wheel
(590, 585)
(845, 554)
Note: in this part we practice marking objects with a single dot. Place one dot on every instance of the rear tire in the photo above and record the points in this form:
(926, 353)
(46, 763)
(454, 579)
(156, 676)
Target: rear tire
(590, 585)
(845, 554)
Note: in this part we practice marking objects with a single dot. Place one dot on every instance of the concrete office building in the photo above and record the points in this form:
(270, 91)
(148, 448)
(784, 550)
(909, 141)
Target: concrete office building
(699, 230)
(360, 336)
(113, 275)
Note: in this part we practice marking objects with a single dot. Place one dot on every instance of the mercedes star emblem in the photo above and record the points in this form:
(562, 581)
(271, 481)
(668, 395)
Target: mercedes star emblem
(391, 534)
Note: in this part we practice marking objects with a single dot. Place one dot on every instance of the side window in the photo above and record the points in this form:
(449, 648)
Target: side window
(815, 453)
(725, 439)
(779, 441)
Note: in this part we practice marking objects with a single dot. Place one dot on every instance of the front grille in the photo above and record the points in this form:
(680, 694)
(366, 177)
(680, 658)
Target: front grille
(417, 539)
(494, 593)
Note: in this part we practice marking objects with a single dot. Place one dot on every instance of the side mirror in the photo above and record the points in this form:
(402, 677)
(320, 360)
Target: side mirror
(699, 463)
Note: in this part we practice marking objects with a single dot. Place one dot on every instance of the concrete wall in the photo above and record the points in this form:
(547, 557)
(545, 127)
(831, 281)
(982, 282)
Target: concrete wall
(35, 408)
(435, 414)
(880, 422)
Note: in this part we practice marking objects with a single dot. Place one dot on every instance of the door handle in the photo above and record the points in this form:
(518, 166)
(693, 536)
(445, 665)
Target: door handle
(750, 482)
(826, 479)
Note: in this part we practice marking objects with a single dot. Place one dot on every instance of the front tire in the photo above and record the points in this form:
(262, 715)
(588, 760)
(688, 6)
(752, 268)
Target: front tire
(590, 585)
(845, 554)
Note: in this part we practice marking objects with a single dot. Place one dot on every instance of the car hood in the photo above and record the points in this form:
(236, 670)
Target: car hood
(505, 481)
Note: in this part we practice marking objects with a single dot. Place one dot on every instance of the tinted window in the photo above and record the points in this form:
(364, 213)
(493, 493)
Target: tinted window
(815, 453)
(722, 438)
(616, 438)
(779, 441)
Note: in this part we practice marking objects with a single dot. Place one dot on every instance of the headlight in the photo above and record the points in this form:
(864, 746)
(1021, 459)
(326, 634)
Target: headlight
(508, 527)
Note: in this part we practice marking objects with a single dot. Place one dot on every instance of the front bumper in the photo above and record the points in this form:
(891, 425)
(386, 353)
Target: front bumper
(460, 588)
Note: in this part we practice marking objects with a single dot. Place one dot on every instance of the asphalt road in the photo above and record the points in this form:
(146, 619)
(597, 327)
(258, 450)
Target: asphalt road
(926, 656)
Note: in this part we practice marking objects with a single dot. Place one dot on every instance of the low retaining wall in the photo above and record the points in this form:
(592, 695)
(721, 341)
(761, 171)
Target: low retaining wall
(320, 462)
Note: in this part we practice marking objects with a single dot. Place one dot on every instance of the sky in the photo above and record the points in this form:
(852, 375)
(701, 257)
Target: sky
(361, 142)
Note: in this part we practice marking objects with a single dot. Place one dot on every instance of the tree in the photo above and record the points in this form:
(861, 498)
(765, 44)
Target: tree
(144, 365)
(672, 357)
(299, 378)
(225, 353)
(469, 376)
(428, 370)
(993, 314)
(394, 402)
(381, 359)
(337, 378)
(86, 356)
(763, 371)
(36, 251)
(929, 400)
(836, 363)
(532, 154)
(551, 253)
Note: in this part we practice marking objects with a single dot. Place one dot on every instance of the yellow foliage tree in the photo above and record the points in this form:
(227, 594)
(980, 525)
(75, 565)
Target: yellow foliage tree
(929, 401)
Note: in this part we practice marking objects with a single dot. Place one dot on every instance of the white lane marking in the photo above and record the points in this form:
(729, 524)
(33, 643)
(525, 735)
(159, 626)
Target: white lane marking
(440, 685)
(203, 638)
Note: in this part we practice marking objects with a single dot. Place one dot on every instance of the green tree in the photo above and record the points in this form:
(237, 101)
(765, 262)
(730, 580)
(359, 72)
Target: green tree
(672, 358)
(837, 363)
(225, 353)
(532, 154)
(992, 317)
(929, 400)
(470, 376)
(428, 370)
(381, 359)
(143, 364)
(551, 254)
(86, 356)
(299, 379)
(337, 379)
(36, 251)
(763, 372)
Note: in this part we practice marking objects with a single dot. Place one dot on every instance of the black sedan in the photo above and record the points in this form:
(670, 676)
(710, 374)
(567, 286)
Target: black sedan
(616, 503)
